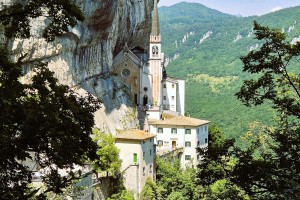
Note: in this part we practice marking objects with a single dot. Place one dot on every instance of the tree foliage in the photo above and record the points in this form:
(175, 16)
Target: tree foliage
(215, 158)
(272, 172)
(41, 118)
(60, 15)
(151, 191)
(215, 168)
(108, 154)
(275, 61)
(171, 177)
(45, 118)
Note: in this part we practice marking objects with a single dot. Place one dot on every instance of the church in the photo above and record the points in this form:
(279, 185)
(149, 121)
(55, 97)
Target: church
(161, 99)
(145, 73)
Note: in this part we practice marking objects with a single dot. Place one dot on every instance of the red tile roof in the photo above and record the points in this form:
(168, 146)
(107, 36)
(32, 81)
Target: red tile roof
(135, 134)
(180, 121)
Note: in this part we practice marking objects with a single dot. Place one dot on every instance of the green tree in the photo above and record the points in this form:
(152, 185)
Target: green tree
(216, 162)
(175, 196)
(171, 177)
(215, 168)
(151, 191)
(46, 118)
(43, 116)
(60, 14)
(225, 190)
(108, 154)
(272, 174)
(122, 195)
(276, 63)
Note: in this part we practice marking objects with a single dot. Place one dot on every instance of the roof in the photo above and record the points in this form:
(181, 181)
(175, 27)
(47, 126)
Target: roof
(173, 79)
(135, 134)
(155, 22)
(180, 121)
(167, 114)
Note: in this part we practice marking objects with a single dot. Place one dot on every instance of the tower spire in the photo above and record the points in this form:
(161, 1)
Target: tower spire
(155, 21)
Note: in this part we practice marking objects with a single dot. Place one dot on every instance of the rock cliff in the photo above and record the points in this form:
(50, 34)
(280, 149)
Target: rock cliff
(82, 58)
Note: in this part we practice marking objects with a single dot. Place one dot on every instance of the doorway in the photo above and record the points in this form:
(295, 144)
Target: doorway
(135, 99)
(174, 144)
(145, 100)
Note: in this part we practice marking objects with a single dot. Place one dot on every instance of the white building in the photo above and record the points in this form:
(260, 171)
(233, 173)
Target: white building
(138, 158)
(181, 132)
(173, 94)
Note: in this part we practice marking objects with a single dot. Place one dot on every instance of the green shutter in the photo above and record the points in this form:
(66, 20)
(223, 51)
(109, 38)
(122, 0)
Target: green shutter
(135, 158)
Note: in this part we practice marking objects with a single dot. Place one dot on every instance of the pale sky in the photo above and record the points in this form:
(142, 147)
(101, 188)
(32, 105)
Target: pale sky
(240, 7)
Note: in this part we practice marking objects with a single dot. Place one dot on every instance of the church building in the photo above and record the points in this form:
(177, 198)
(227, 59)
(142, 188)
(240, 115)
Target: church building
(161, 99)
(145, 74)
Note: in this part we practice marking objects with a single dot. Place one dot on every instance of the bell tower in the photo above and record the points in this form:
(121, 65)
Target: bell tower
(155, 57)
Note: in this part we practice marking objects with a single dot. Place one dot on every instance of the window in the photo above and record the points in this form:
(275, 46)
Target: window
(205, 140)
(155, 51)
(187, 157)
(198, 143)
(205, 127)
(165, 98)
(165, 85)
(143, 141)
(150, 140)
(174, 131)
(173, 98)
(187, 144)
(198, 130)
(160, 142)
(160, 130)
(187, 131)
(125, 73)
(150, 169)
(173, 86)
(143, 154)
(150, 152)
(144, 171)
(166, 143)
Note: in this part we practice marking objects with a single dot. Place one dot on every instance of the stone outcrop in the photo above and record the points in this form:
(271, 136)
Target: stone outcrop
(82, 58)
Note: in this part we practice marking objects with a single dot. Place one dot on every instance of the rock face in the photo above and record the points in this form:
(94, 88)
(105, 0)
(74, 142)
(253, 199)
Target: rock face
(82, 58)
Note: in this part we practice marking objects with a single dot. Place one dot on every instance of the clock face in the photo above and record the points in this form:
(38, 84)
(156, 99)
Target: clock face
(125, 73)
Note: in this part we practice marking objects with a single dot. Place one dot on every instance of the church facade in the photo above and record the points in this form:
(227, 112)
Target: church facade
(144, 72)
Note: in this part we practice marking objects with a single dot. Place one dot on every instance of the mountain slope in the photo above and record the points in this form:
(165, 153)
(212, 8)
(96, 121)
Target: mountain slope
(204, 46)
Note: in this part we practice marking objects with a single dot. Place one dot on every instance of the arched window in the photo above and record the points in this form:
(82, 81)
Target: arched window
(155, 51)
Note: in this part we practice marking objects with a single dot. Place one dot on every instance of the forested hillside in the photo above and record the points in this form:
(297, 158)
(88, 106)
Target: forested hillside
(203, 46)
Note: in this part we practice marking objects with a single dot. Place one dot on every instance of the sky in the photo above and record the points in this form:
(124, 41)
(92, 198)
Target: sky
(240, 7)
